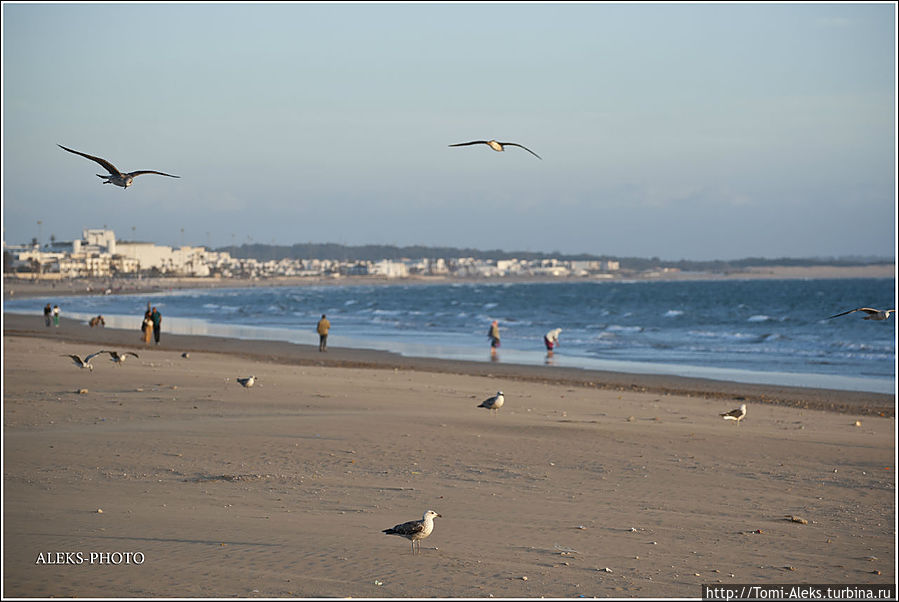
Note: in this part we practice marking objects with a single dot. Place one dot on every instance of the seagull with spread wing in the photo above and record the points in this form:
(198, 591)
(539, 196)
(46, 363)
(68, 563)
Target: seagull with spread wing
(119, 358)
(83, 363)
(873, 314)
(497, 146)
(115, 176)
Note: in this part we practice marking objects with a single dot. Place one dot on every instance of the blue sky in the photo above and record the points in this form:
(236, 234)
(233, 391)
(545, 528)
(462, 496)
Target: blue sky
(682, 131)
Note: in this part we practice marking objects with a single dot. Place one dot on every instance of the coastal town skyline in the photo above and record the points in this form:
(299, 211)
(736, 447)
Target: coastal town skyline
(677, 131)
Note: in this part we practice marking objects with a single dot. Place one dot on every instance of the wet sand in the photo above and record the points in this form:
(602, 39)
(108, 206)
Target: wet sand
(586, 483)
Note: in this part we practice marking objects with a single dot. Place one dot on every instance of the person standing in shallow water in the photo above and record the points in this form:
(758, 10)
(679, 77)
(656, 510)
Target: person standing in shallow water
(493, 335)
(324, 325)
(56, 316)
(48, 314)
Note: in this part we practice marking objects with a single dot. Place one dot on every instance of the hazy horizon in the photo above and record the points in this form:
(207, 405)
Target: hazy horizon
(678, 131)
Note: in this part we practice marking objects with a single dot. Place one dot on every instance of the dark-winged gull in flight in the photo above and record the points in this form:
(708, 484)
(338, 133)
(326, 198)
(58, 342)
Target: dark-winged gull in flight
(415, 530)
(119, 358)
(493, 403)
(737, 414)
(83, 363)
(497, 146)
(873, 314)
(115, 176)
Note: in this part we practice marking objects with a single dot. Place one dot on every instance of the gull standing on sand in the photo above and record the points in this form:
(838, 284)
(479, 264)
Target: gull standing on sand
(247, 382)
(83, 363)
(737, 414)
(115, 176)
(415, 530)
(494, 403)
(497, 146)
(119, 358)
(873, 314)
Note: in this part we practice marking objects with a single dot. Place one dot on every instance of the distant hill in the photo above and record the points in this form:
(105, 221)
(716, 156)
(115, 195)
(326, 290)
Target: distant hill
(264, 252)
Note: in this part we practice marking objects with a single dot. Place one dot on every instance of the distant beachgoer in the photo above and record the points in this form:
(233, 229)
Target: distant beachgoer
(146, 327)
(97, 321)
(551, 339)
(56, 316)
(48, 314)
(324, 325)
(493, 335)
(156, 317)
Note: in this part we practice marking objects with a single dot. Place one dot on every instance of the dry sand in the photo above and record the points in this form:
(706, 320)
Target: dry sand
(282, 490)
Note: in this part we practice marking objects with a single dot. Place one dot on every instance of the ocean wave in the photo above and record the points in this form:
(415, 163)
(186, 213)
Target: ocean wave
(673, 313)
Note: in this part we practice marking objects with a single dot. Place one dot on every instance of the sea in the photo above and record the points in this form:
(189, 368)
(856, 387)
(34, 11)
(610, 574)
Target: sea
(764, 331)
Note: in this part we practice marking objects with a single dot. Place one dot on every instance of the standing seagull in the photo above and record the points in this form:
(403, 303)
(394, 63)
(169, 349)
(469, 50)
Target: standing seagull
(497, 146)
(247, 382)
(415, 530)
(738, 414)
(84, 363)
(115, 176)
(873, 314)
(494, 403)
(119, 358)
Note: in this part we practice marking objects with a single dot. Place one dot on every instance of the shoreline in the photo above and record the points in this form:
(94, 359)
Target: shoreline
(286, 353)
(28, 288)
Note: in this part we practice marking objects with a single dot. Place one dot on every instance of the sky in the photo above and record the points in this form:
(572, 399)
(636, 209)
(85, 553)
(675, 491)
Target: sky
(679, 131)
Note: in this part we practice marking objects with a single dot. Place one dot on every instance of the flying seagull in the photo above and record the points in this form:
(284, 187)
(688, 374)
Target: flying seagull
(247, 382)
(497, 146)
(115, 176)
(83, 363)
(493, 403)
(119, 358)
(415, 530)
(873, 314)
(738, 414)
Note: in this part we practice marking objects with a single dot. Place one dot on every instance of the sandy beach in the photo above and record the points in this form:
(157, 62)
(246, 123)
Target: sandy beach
(583, 484)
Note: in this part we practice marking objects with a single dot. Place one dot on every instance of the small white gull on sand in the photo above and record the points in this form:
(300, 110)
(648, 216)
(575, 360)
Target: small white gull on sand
(83, 363)
(497, 146)
(873, 314)
(115, 176)
(737, 414)
(494, 403)
(415, 530)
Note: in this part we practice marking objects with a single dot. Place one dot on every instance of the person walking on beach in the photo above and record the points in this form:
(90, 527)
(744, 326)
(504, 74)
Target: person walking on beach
(493, 335)
(156, 317)
(324, 325)
(551, 339)
(56, 316)
(48, 311)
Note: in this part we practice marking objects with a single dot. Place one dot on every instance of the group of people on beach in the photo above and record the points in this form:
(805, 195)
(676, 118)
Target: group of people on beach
(151, 326)
(550, 340)
(51, 315)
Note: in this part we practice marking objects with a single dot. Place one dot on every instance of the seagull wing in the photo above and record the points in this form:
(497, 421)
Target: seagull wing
(132, 353)
(106, 164)
(406, 529)
(844, 313)
(74, 358)
(93, 355)
(868, 310)
(470, 143)
(524, 147)
(735, 413)
(134, 174)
